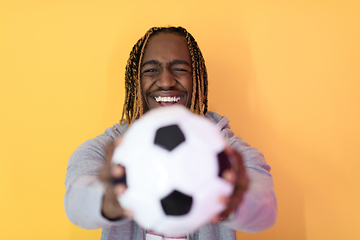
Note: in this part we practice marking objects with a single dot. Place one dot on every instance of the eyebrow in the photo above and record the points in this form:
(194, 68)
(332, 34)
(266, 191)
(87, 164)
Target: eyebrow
(173, 62)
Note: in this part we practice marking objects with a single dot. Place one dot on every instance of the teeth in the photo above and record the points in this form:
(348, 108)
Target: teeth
(167, 99)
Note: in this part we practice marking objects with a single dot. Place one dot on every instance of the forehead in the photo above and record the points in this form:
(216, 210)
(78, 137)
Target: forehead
(166, 47)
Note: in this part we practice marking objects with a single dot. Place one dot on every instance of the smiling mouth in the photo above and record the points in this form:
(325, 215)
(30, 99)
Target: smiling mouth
(174, 99)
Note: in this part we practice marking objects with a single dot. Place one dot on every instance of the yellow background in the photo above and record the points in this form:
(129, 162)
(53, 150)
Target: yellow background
(286, 73)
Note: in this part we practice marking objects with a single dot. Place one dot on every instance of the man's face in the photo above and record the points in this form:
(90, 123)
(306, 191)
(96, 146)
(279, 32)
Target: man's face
(166, 73)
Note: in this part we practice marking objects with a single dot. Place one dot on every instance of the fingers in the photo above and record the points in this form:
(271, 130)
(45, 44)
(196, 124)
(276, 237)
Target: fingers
(229, 176)
(128, 213)
(224, 199)
(104, 174)
(117, 141)
(242, 181)
(229, 150)
(117, 171)
(110, 171)
(236, 176)
(232, 204)
(111, 208)
(119, 189)
(240, 163)
(215, 219)
(113, 177)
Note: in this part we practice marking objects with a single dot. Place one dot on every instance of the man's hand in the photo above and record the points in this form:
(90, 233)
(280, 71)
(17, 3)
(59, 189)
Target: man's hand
(237, 176)
(111, 208)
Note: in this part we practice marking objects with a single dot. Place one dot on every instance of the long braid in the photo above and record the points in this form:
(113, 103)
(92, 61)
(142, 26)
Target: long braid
(133, 104)
(139, 103)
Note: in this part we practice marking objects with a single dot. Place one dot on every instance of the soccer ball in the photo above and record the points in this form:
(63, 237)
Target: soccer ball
(174, 160)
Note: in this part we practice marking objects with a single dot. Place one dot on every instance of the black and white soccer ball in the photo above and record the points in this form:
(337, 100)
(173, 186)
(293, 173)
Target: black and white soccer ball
(173, 160)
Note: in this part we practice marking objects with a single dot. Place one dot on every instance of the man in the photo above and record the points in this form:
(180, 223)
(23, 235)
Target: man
(165, 67)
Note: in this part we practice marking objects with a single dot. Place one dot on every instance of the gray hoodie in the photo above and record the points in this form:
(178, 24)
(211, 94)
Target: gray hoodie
(84, 191)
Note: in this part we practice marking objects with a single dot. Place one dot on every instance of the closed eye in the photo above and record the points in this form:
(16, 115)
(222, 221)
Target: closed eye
(180, 70)
(150, 72)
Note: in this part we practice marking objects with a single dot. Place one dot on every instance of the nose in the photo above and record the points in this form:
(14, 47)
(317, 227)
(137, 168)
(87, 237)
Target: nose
(166, 79)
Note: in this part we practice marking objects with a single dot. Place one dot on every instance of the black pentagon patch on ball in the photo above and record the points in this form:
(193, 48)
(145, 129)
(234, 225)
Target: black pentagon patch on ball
(224, 163)
(176, 203)
(169, 137)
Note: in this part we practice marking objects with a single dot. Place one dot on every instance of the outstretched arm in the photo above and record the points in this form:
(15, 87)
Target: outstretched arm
(85, 192)
(252, 208)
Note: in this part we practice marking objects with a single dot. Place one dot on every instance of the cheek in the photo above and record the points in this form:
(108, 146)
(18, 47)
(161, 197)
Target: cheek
(147, 83)
(144, 87)
(188, 84)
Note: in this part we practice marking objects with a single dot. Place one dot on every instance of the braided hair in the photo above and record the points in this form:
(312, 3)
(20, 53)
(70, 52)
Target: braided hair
(133, 104)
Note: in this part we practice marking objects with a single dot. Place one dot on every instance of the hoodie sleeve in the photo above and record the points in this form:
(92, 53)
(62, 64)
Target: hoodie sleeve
(84, 191)
(258, 210)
